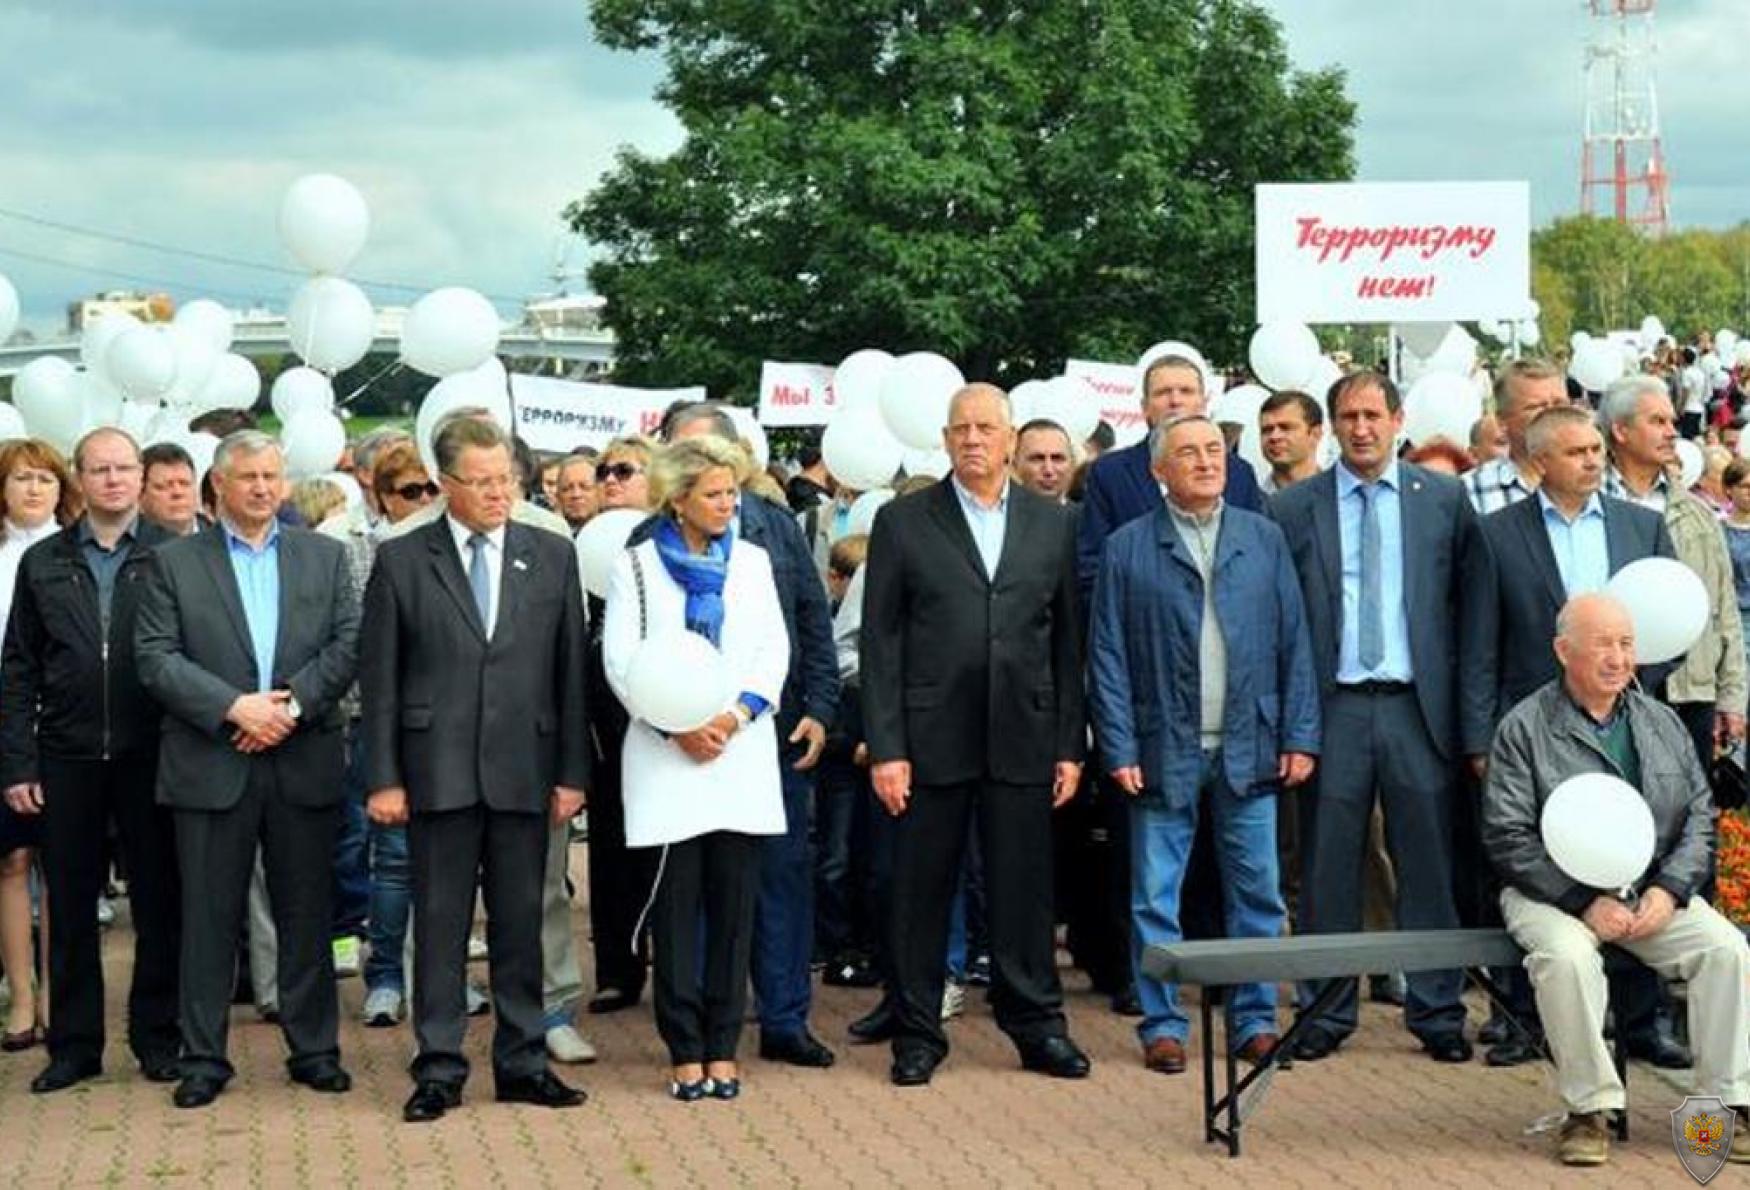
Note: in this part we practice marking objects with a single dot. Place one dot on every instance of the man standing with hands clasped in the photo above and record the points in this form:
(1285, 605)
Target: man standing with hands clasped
(472, 679)
(972, 694)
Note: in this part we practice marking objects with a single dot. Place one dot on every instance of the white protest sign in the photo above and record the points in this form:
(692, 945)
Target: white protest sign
(796, 394)
(1393, 251)
(562, 415)
(1114, 387)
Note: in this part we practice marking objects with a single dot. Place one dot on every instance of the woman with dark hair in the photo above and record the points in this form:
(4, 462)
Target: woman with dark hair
(37, 498)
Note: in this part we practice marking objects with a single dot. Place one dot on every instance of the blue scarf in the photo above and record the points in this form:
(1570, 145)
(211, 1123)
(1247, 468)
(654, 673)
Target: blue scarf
(699, 575)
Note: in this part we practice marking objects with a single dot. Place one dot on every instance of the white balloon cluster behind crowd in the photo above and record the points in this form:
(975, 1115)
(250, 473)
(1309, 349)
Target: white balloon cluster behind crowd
(153, 379)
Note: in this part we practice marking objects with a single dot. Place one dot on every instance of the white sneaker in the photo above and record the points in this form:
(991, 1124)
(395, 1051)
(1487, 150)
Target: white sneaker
(477, 1003)
(566, 1044)
(346, 957)
(953, 1000)
(382, 1008)
(477, 951)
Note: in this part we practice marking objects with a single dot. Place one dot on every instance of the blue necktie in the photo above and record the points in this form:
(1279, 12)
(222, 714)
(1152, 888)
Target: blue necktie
(481, 580)
(1371, 649)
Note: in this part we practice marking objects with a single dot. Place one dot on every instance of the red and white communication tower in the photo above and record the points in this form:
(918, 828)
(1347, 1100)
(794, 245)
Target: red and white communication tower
(1620, 152)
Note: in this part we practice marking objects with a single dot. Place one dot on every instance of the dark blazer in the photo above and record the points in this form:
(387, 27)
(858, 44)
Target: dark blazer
(1448, 584)
(965, 677)
(1517, 653)
(455, 719)
(1121, 487)
(195, 658)
(65, 690)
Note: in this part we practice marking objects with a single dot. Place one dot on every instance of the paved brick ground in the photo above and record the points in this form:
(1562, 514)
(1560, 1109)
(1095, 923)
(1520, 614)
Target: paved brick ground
(1379, 1114)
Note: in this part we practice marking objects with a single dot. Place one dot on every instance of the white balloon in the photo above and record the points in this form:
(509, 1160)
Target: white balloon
(600, 543)
(677, 681)
(1456, 353)
(1325, 373)
(1741, 353)
(1071, 403)
(330, 323)
(464, 389)
(1027, 399)
(1211, 382)
(448, 331)
(201, 447)
(349, 487)
(863, 510)
(8, 309)
(1668, 603)
(137, 417)
(1652, 330)
(1689, 457)
(1599, 830)
(234, 383)
(1529, 333)
(1578, 339)
(101, 400)
(142, 362)
(209, 321)
(47, 394)
(914, 397)
(1422, 338)
(1494, 328)
(11, 424)
(324, 222)
(313, 443)
(1283, 353)
(195, 359)
(297, 391)
(1596, 363)
(859, 449)
(1441, 404)
(1239, 406)
(752, 433)
(857, 379)
(99, 333)
(934, 463)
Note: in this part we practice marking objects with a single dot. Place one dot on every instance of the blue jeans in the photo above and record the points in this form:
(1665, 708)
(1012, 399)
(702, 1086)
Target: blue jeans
(783, 934)
(966, 929)
(1160, 842)
(352, 876)
(391, 903)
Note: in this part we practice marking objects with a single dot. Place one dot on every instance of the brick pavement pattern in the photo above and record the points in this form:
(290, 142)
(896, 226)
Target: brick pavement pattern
(1378, 1114)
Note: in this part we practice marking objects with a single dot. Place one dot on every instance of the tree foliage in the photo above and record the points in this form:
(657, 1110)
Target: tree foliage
(1008, 184)
(1599, 275)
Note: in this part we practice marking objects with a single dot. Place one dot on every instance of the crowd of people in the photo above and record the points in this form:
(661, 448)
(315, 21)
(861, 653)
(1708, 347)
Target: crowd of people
(1142, 693)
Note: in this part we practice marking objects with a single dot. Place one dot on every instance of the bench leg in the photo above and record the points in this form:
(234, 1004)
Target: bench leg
(1228, 1105)
(1211, 1112)
(1619, 1051)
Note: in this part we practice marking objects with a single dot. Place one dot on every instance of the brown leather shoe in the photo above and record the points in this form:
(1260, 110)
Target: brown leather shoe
(1164, 1055)
(1257, 1049)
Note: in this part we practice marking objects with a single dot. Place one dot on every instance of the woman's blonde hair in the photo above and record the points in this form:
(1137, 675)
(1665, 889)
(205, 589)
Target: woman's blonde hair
(678, 466)
(637, 445)
(317, 499)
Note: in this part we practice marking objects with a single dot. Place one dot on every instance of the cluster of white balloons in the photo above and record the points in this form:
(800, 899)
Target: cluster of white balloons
(889, 415)
(1596, 364)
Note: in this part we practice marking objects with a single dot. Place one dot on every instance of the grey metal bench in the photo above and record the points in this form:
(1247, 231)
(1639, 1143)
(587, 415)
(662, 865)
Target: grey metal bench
(1334, 959)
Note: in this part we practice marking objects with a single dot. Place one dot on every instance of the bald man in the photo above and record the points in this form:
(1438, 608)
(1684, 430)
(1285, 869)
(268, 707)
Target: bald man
(1590, 720)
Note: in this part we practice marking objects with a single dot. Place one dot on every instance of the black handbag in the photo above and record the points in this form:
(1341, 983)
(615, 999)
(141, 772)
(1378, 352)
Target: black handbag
(1731, 787)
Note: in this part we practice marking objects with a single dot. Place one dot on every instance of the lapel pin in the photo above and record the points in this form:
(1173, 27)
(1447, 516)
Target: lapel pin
(519, 563)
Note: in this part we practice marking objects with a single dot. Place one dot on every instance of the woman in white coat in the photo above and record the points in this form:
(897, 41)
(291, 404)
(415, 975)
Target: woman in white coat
(705, 796)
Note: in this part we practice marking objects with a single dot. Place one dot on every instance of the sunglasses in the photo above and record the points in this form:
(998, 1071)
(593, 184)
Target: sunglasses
(413, 491)
(619, 471)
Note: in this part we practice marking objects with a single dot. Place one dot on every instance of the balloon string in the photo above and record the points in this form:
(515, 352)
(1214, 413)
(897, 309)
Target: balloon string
(350, 397)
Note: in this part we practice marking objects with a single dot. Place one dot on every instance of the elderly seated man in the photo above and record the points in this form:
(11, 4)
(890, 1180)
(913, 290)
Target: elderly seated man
(1589, 721)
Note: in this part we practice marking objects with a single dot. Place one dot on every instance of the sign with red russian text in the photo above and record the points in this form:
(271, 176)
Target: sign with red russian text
(562, 415)
(1114, 387)
(1393, 251)
(796, 394)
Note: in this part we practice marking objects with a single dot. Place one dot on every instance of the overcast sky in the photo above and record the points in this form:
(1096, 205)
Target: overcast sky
(469, 126)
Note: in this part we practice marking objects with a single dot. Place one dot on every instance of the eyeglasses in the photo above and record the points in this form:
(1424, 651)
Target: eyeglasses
(413, 491)
(620, 471)
(485, 484)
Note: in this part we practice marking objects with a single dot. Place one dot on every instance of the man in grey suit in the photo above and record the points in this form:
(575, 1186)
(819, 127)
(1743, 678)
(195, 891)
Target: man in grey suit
(473, 686)
(247, 638)
(1396, 576)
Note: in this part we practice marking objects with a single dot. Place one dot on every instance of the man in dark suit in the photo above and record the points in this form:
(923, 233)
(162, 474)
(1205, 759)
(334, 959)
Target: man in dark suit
(1121, 486)
(1397, 579)
(247, 639)
(472, 680)
(972, 696)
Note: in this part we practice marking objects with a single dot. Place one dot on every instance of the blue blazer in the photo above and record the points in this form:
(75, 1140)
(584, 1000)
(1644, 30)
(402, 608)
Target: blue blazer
(1121, 487)
(1144, 662)
(1449, 586)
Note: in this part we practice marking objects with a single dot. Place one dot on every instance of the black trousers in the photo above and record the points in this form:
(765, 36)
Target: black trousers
(710, 882)
(507, 853)
(81, 798)
(619, 883)
(1014, 829)
(216, 850)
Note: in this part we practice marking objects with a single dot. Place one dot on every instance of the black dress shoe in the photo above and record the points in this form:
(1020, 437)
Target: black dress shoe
(913, 1068)
(429, 1101)
(1661, 1049)
(613, 999)
(541, 1090)
(1513, 1051)
(161, 1068)
(1495, 1030)
(1452, 1048)
(797, 1049)
(1315, 1045)
(329, 1079)
(878, 1024)
(1058, 1057)
(1125, 1001)
(62, 1073)
(197, 1090)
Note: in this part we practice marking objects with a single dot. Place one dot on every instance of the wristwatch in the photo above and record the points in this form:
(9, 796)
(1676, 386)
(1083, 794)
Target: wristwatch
(294, 708)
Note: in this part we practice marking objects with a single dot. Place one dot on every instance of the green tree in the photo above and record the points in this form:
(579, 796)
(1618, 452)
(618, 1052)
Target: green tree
(1008, 184)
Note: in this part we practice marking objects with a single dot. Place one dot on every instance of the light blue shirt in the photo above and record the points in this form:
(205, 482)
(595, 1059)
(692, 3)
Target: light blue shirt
(1396, 666)
(1581, 550)
(258, 582)
(988, 525)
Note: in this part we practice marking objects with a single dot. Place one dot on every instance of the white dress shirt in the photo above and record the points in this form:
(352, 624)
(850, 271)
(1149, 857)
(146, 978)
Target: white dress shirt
(494, 564)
